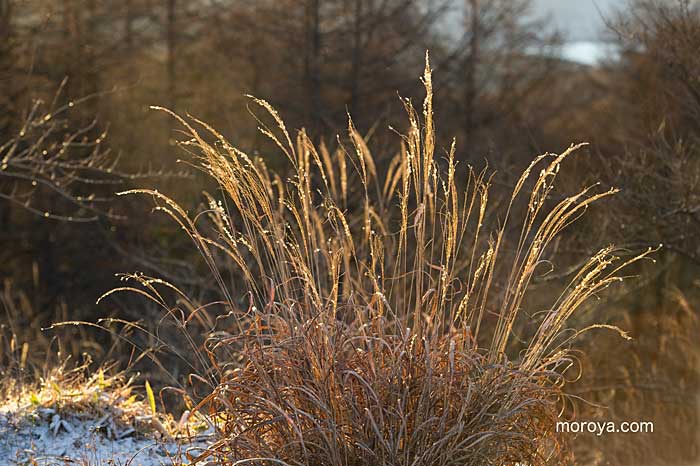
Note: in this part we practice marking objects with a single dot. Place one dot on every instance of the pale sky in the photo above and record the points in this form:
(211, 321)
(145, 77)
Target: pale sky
(579, 20)
(581, 24)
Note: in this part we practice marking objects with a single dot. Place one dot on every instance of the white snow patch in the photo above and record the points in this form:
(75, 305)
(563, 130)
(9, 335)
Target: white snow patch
(35, 439)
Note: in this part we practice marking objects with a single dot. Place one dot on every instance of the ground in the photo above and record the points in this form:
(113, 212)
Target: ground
(78, 417)
(40, 438)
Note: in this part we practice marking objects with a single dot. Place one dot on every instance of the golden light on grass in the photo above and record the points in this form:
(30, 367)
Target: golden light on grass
(373, 333)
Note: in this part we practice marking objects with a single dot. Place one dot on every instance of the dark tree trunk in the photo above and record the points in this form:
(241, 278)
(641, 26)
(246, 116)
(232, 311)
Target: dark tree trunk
(171, 41)
(356, 58)
(470, 84)
(313, 65)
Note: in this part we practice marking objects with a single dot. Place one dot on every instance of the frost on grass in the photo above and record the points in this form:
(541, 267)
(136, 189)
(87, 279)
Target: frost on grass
(75, 418)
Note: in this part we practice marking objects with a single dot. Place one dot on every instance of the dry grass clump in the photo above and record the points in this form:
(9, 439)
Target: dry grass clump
(41, 380)
(339, 395)
(371, 314)
(26, 351)
(111, 404)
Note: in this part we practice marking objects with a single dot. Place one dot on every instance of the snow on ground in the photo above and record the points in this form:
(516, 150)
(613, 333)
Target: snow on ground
(44, 439)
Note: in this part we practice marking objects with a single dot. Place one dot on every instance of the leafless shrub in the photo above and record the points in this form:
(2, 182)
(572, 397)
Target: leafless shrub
(54, 170)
